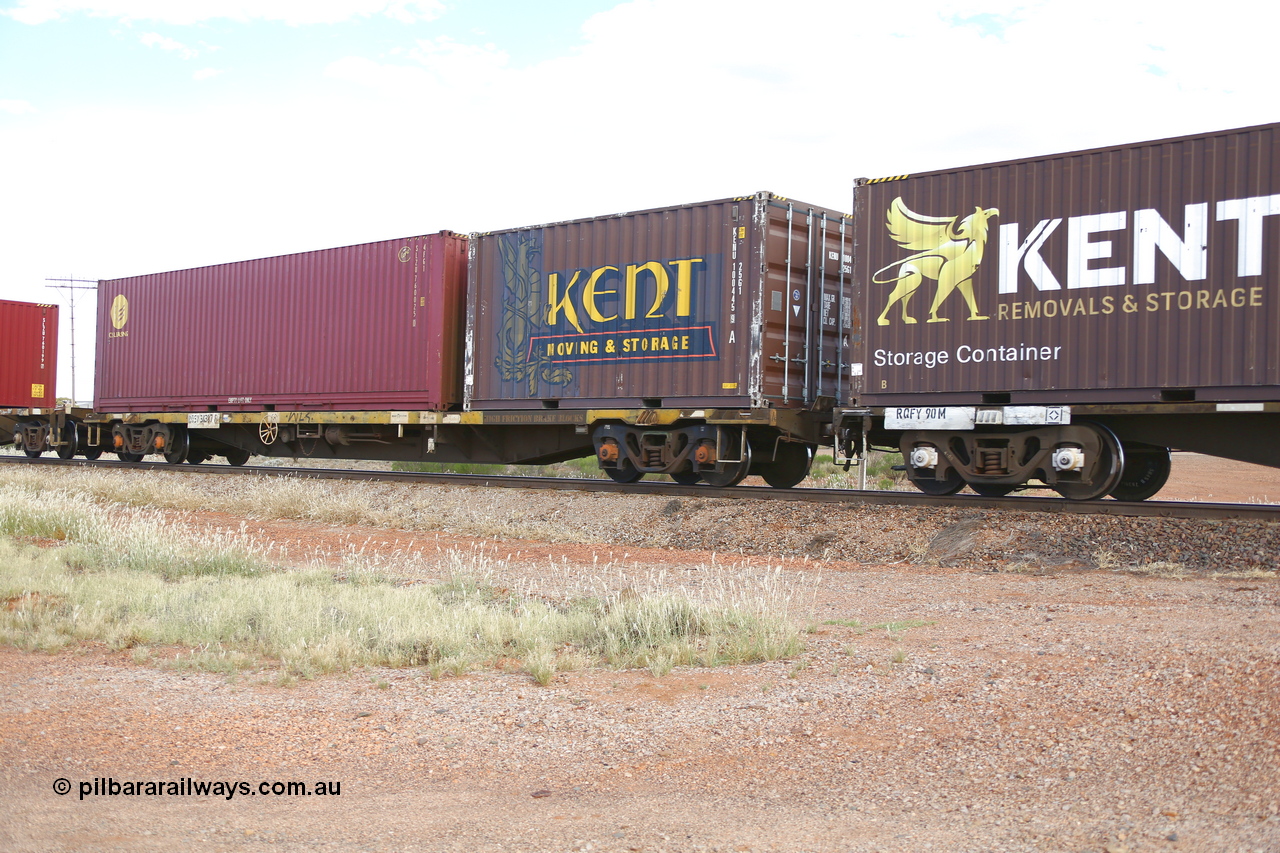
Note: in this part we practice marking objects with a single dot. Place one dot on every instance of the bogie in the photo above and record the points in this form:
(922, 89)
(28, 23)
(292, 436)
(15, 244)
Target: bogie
(1082, 461)
(691, 453)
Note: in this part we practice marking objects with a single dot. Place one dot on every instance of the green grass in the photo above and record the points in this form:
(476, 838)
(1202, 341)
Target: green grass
(880, 474)
(891, 627)
(309, 622)
(893, 630)
(327, 502)
(900, 626)
(130, 578)
(124, 538)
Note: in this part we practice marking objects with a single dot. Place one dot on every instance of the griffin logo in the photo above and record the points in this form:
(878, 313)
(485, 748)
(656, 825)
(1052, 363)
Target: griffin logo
(947, 253)
(119, 311)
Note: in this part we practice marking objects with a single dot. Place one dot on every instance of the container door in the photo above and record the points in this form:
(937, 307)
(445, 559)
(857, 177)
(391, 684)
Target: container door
(831, 272)
(807, 303)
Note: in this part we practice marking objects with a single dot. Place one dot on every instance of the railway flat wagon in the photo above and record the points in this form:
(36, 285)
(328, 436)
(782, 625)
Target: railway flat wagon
(696, 325)
(1069, 318)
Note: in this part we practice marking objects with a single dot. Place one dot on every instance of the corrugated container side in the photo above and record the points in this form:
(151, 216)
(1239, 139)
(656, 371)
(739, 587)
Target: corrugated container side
(700, 304)
(1128, 274)
(372, 326)
(28, 355)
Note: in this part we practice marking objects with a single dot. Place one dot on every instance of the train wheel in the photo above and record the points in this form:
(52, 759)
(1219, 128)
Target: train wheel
(195, 457)
(70, 442)
(734, 474)
(624, 472)
(938, 488)
(1107, 470)
(92, 453)
(790, 465)
(32, 454)
(1146, 470)
(687, 478)
(991, 490)
(126, 456)
(175, 453)
(237, 456)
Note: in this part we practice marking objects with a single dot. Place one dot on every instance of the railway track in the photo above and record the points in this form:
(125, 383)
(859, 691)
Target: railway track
(1158, 509)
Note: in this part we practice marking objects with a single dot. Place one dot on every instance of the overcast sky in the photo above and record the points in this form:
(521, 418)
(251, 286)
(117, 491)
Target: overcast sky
(146, 135)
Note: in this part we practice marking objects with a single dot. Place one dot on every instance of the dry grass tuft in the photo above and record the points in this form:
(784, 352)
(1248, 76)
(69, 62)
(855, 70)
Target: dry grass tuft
(133, 579)
(1162, 569)
(384, 505)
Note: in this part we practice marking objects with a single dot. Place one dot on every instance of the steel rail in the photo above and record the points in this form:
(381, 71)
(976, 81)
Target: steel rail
(1137, 509)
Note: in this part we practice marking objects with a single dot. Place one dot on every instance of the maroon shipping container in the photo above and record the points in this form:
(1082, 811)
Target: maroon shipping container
(1128, 274)
(737, 302)
(28, 355)
(367, 327)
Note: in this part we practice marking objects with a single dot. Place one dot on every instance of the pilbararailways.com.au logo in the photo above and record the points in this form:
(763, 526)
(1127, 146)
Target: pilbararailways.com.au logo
(188, 787)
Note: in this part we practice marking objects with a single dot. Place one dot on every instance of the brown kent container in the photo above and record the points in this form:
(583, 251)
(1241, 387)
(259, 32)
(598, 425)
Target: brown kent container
(367, 327)
(1138, 273)
(731, 303)
(28, 355)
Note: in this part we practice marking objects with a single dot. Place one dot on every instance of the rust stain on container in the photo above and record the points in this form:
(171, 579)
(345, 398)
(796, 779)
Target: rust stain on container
(376, 325)
(28, 355)
(1127, 274)
(736, 302)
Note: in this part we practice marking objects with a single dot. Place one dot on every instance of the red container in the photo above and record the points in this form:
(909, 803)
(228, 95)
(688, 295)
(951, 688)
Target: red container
(368, 327)
(28, 355)
(730, 303)
(1131, 274)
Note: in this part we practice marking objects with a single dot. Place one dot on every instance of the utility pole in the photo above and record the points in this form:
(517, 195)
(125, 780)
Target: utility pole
(72, 285)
